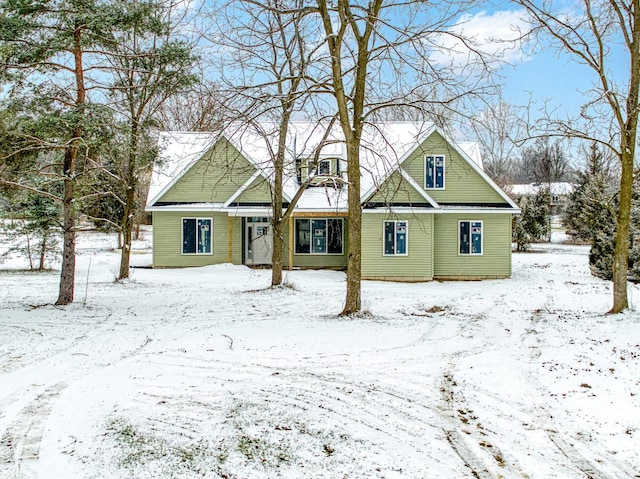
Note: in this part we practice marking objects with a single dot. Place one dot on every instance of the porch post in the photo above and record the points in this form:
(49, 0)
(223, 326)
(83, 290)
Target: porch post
(230, 239)
(291, 245)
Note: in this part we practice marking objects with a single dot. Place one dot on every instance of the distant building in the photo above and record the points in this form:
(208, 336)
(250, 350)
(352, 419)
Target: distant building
(559, 193)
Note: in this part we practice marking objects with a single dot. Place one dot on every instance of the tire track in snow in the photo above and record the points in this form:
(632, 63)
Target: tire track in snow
(391, 415)
(20, 444)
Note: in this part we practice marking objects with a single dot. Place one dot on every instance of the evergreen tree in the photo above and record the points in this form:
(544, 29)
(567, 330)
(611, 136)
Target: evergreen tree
(45, 52)
(35, 233)
(591, 214)
(590, 206)
(532, 224)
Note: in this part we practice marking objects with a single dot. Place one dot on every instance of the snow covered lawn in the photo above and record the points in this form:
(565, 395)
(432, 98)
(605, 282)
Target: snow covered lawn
(206, 373)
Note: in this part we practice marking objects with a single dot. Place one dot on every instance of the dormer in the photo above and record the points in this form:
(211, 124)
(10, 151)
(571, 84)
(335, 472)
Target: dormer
(326, 171)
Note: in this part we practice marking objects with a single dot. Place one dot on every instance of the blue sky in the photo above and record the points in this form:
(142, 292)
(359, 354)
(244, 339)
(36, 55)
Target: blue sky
(531, 72)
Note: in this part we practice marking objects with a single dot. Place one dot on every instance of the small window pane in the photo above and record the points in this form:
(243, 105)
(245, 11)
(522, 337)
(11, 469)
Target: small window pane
(204, 236)
(334, 236)
(319, 236)
(439, 172)
(324, 167)
(401, 237)
(429, 164)
(476, 237)
(464, 237)
(303, 244)
(188, 236)
(389, 238)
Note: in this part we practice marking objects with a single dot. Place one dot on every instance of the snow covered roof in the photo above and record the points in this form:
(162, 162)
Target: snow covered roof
(559, 188)
(384, 146)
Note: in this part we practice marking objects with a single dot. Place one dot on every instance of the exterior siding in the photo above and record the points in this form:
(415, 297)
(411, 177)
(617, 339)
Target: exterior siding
(236, 236)
(416, 266)
(259, 191)
(213, 178)
(167, 240)
(462, 183)
(495, 262)
(397, 190)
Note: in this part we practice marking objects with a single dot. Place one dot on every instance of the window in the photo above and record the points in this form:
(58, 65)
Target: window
(395, 238)
(319, 236)
(324, 167)
(196, 235)
(434, 172)
(470, 237)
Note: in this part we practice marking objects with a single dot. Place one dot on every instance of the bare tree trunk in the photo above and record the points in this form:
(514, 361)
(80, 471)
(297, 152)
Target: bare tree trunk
(278, 221)
(621, 253)
(278, 251)
(353, 301)
(127, 230)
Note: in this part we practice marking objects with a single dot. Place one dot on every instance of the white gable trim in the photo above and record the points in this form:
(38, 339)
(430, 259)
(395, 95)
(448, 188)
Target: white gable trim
(480, 171)
(367, 196)
(197, 157)
(256, 164)
(243, 188)
(417, 187)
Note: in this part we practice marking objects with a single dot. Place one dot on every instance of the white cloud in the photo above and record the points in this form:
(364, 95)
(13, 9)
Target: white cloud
(497, 35)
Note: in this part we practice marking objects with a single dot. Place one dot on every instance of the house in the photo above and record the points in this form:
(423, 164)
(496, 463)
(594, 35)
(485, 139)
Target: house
(429, 209)
(559, 193)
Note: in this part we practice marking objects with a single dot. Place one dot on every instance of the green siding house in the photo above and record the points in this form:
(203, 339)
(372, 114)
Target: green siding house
(429, 210)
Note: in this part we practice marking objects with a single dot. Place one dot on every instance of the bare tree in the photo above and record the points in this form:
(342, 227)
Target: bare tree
(590, 34)
(378, 55)
(270, 44)
(498, 129)
(546, 161)
(199, 108)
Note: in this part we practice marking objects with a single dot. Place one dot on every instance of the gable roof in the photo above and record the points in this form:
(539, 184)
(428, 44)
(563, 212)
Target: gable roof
(384, 147)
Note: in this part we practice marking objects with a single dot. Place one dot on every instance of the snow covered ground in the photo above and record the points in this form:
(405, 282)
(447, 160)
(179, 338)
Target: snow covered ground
(206, 373)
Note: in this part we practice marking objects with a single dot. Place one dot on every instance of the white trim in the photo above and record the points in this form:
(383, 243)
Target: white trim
(480, 171)
(420, 140)
(311, 253)
(395, 238)
(437, 211)
(470, 240)
(182, 253)
(409, 179)
(243, 188)
(196, 157)
(444, 171)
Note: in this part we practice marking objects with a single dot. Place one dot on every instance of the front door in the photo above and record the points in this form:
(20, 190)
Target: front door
(258, 241)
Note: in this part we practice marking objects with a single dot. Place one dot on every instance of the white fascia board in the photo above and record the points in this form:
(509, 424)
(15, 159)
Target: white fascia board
(213, 207)
(461, 210)
(181, 173)
(478, 209)
(250, 211)
(367, 196)
(417, 187)
(243, 188)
